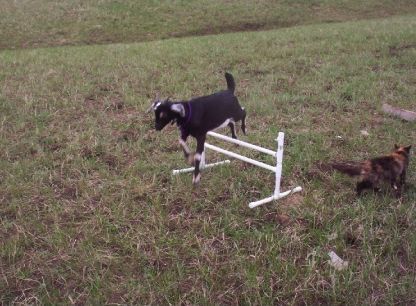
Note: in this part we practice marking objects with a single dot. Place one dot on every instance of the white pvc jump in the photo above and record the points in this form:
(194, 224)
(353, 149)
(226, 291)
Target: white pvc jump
(278, 154)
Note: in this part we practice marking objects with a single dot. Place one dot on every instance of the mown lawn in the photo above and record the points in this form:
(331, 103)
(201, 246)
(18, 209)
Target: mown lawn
(42, 23)
(89, 210)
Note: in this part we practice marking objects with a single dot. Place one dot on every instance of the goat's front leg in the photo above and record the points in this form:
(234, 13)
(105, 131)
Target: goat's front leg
(185, 148)
(200, 141)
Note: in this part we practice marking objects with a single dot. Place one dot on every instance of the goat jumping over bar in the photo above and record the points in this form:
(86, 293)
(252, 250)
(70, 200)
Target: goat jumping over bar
(198, 116)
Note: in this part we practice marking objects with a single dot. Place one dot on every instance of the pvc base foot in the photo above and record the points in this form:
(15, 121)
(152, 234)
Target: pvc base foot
(274, 197)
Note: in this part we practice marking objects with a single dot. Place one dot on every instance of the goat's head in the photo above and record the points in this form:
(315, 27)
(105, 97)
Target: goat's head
(166, 112)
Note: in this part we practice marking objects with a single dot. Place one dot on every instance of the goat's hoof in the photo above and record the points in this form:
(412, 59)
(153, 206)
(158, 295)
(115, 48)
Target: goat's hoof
(196, 180)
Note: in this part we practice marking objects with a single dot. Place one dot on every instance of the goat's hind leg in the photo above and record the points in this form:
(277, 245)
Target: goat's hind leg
(243, 120)
(241, 116)
(231, 124)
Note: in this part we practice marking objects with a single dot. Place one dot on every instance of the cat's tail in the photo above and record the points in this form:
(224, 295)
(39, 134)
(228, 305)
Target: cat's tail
(351, 168)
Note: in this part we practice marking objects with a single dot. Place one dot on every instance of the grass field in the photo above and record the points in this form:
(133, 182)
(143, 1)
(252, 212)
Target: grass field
(89, 210)
(43, 23)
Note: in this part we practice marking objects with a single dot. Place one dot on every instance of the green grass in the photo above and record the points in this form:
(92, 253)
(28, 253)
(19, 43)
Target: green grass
(90, 212)
(40, 23)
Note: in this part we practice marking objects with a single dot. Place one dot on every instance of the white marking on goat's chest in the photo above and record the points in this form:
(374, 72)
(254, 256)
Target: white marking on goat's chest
(225, 123)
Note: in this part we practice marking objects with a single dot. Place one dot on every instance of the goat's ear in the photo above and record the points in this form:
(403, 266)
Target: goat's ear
(396, 147)
(178, 108)
(407, 149)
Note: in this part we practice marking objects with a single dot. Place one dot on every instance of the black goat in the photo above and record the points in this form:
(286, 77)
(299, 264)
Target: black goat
(198, 116)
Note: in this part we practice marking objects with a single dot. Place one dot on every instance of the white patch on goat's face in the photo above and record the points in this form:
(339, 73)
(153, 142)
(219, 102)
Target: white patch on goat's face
(195, 180)
(225, 123)
(178, 108)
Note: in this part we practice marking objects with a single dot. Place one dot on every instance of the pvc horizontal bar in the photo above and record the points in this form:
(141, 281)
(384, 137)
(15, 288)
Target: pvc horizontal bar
(274, 197)
(241, 157)
(243, 143)
(206, 166)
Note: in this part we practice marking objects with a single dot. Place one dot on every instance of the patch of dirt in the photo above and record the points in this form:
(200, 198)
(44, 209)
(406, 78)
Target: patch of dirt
(50, 144)
(172, 147)
(224, 196)
(69, 193)
(106, 98)
(216, 246)
(179, 217)
(328, 87)
(293, 200)
(232, 292)
(117, 297)
(346, 96)
(116, 103)
(376, 120)
(94, 201)
(110, 160)
(187, 286)
(10, 233)
(396, 50)
(254, 223)
(319, 171)
(284, 220)
(100, 154)
(403, 222)
(150, 136)
(130, 134)
(89, 153)
(63, 190)
(257, 72)
(176, 207)
(405, 264)
(276, 218)
(352, 240)
(5, 196)
(161, 262)
(19, 151)
(376, 68)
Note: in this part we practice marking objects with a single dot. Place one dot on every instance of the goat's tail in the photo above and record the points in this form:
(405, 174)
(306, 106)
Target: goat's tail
(230, 82)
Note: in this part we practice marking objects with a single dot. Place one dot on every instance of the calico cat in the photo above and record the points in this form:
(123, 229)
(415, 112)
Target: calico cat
(391, 168)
